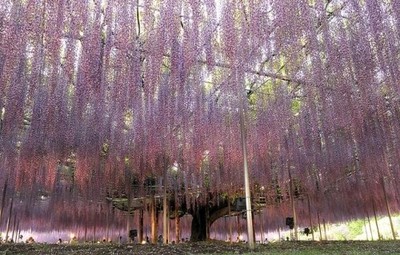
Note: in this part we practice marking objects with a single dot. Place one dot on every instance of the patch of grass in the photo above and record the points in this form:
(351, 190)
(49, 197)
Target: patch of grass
(325, 248)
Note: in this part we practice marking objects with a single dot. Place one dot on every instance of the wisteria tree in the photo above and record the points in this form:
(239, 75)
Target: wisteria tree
(102, 92)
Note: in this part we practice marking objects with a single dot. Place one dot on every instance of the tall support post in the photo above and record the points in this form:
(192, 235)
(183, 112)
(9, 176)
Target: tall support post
(165, 214)
(94, 227)
(310, 218)
(153, 219)
(177, 221)
(17, 232)
(3, 200)
(319, 227)
(366, 230)
(230, 221)
(326, 236)
(279, 233)
(14, 227)
(128, 219)
(239, 229)
(296, 234)
(9, 218)
(249, 216)
(370, 226)
(169, 230)
(141, 225)
(86, 228)
(107, 222)
(262, 226)
(376, 220)
(388, 208)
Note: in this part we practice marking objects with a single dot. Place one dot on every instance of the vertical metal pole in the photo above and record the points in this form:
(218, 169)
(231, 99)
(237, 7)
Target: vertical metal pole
(153, 219)
(86, 227)
(3, 200)
(366, 230)
(262, 226)
(9, 218)
(239, 229)
(319, 227)
(165, 214)
(376, 220)
(128, 216)
(14, 227)
(107, 222)
(309, 215)
(388, 209)
(326, 236)
(141, 225)
(249, 218)
(296, 235)
(370, 226)
(177, 222)
(279, 233)
(230, 220)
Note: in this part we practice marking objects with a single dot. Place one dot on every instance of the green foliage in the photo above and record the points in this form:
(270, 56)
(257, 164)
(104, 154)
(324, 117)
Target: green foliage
(356, 228)
(296, 106)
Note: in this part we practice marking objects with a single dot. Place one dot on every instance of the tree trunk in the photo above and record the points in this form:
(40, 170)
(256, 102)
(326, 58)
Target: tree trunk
(199, 224)
(204, 217)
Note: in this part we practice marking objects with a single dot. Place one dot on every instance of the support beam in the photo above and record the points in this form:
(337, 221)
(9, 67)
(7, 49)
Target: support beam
(9, 218)
(165, 215)
(249, 215)
(310, 217)
(388, 208)
(154, 220)
(376, 221)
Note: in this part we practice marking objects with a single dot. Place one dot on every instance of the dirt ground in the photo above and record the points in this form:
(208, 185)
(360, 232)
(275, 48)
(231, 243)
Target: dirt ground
(209, 247)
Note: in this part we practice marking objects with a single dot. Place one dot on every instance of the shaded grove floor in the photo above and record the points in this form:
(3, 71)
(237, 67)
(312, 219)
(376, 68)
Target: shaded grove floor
(211, 247)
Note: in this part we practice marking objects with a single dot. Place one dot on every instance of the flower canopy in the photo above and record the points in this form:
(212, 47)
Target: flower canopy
(97, 93)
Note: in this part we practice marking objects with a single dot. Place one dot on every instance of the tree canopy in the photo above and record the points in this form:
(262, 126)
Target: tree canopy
(135, 88)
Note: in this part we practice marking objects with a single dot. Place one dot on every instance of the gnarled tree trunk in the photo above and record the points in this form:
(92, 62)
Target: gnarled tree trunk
(204, 216)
